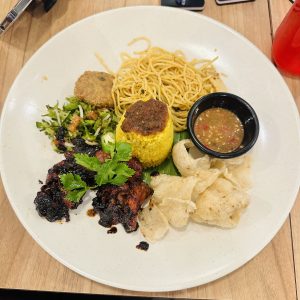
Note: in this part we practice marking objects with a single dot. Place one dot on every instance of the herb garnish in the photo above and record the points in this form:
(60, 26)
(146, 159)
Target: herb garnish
(113, 171)
(74, 185)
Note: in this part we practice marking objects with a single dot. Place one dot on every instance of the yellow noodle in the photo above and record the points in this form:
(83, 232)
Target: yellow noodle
(141, 38)
(102, 62)
(166, 76)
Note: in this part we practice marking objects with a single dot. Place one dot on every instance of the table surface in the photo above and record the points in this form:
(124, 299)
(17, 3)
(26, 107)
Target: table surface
(273, 274)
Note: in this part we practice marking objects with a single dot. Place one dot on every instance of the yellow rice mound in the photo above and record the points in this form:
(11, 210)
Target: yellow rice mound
(150, 149)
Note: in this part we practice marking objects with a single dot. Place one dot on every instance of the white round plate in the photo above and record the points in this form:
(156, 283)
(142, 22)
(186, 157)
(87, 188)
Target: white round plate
(185, 258)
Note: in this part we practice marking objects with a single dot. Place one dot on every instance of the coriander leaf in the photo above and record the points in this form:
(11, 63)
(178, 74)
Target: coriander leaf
(89, 162)
(123, 172)
(72, 182)
(76, 195)
(113, 171)
(123, 169)
(101, 179)
(105, 173)
(74, 185)
(119, 180)
(123, 152)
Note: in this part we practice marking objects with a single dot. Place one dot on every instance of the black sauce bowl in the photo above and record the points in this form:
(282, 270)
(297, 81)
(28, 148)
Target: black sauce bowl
(239, 107)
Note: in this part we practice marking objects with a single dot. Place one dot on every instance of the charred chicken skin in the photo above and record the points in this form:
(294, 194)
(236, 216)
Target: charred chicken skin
(51, 201)
(121, 204)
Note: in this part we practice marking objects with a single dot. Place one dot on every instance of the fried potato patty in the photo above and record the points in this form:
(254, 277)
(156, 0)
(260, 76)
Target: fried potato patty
(95, 88)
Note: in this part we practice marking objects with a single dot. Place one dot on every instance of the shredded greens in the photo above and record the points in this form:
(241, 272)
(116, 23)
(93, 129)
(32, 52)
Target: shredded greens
(76, 119)
(108, 141)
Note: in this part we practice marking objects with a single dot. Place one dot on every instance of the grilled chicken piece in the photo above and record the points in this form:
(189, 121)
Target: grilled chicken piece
(115, 204)
(51, 201)
(69, 165)
(121, 204)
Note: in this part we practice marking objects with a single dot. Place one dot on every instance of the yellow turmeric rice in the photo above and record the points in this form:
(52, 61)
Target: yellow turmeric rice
(148, 127)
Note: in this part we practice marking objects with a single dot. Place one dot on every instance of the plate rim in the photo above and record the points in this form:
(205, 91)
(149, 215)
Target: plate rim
(187, 284)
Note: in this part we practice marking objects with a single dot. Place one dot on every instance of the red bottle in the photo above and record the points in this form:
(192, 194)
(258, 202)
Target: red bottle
(286, 44)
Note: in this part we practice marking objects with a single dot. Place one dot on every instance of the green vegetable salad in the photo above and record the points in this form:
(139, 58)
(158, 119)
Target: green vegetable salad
(76, 119)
